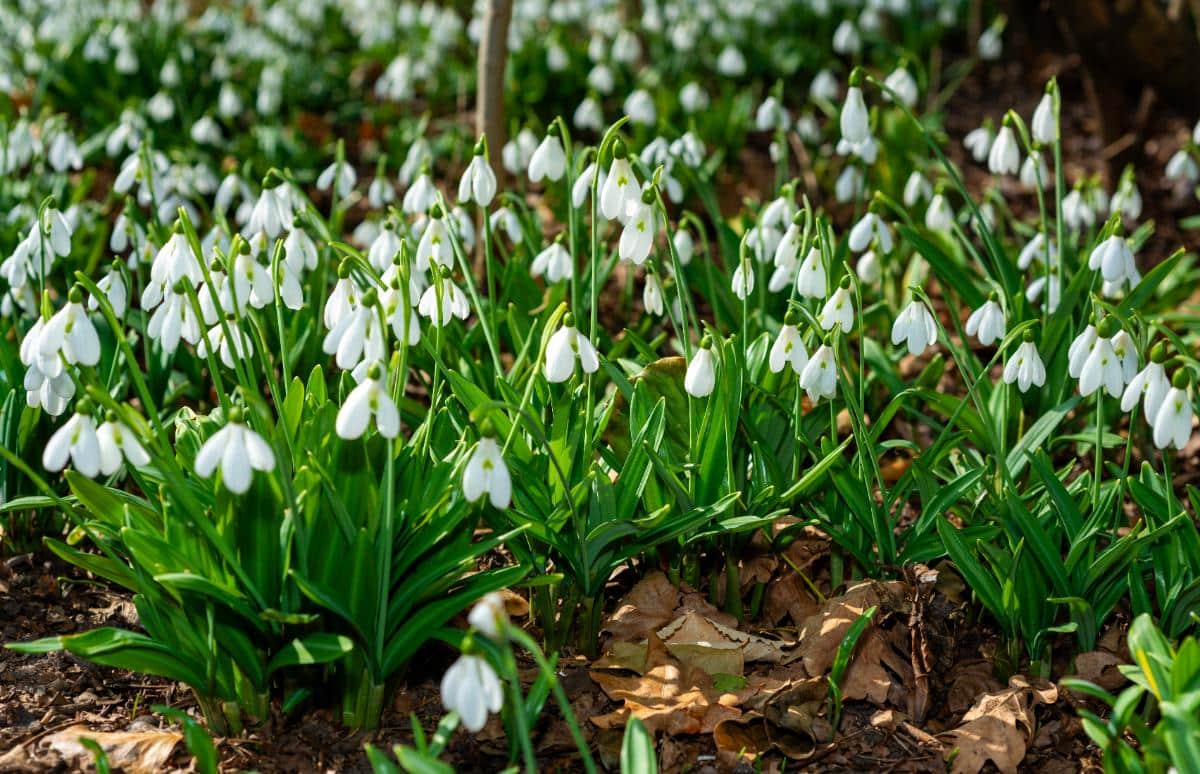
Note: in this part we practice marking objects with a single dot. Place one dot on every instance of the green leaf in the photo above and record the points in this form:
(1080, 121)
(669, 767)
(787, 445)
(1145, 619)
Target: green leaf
(315, 648)
(637, 749)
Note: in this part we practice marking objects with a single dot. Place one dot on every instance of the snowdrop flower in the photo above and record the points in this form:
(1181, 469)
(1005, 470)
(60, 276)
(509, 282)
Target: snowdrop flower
(868, 269)
(174, 320)
(272, 211)
(870, 228)
(369, 400)
(601, 79)
(819, 376)
(637, 236)
(206, 131)
(788, 348)
(565, 346)
(1081, 347)
(420, 196)
(1004, 157)
(979, 143)
(399, 312)
(811, 280)
(693, 98)
(1173, 420)
(340, 176)
(472, 689)
(855, 120)
(731, 63)
(113, 286)
(549, 160)
(742, 282)
(238, 451)
(990, 45)
(554, 263)
(1036, 248)
(1103, 366)
(443, 301)
(358, 335)
(583, 184)
(701, 374)
(70, 333)
(418, 158)
(380, 192)
(824, 86)
(589, 115)
(435, 247)
(1077, 211)
(343, 299)
(846, 40)
(518, 152)
(1044, 126)
(215, 341)
(685, 246)
(639, 106)
(1127, 199)
(1025, 367)
(901, 81)
(229, 103)
(63, 153)
(478, 183)
(507, 220)
(916, 188)
(940, 215)
(1150, 385)
(486, 473)
(916, 326)
(1113, 258)
(557, 58)
(771, 115)
(117, 442)
(652, 295)
(620, 190)
(1181, 166)
(386, 245)
(1126, 350)
(987, 322)
(838, 309)
(489, 616)
(75, 441)
(849, 185)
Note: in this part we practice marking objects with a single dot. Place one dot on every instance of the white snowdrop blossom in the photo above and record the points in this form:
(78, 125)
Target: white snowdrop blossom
(1024, 367)
(811, 280)
(435, 248)
(549, 161)
(1173, 420)
(443, 301)
(565, 347)
(238, 451)
(471, 688)
(693, 98)
(1113, 258)
(701, 374)
(731, 63)
(75, 441)
(1102, 368)
(788, 349)
(742, 282)
(871, 228)
(939, 216)
(1150, 386)
(486, 473)
(113, 285)
(369, 400)
(1044, 126)
(916, 327)
(554, 263)
(987, 323)
(902, 82)
(637, 236)
(620, 190)
(70, 333)
(838, 309)
(855, 120)
(478, 183)
(117, 442)
(819, 377)
(1081, 347)
(1004, 157)
(489, 616)
(916, 188)
(979, 143)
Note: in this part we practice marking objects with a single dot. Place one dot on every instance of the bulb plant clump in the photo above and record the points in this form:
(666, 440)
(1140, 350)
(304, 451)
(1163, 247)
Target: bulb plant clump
(315, 381)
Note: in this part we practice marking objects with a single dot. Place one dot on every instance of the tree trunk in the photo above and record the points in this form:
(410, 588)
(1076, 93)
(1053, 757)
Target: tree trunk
(493, 56)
